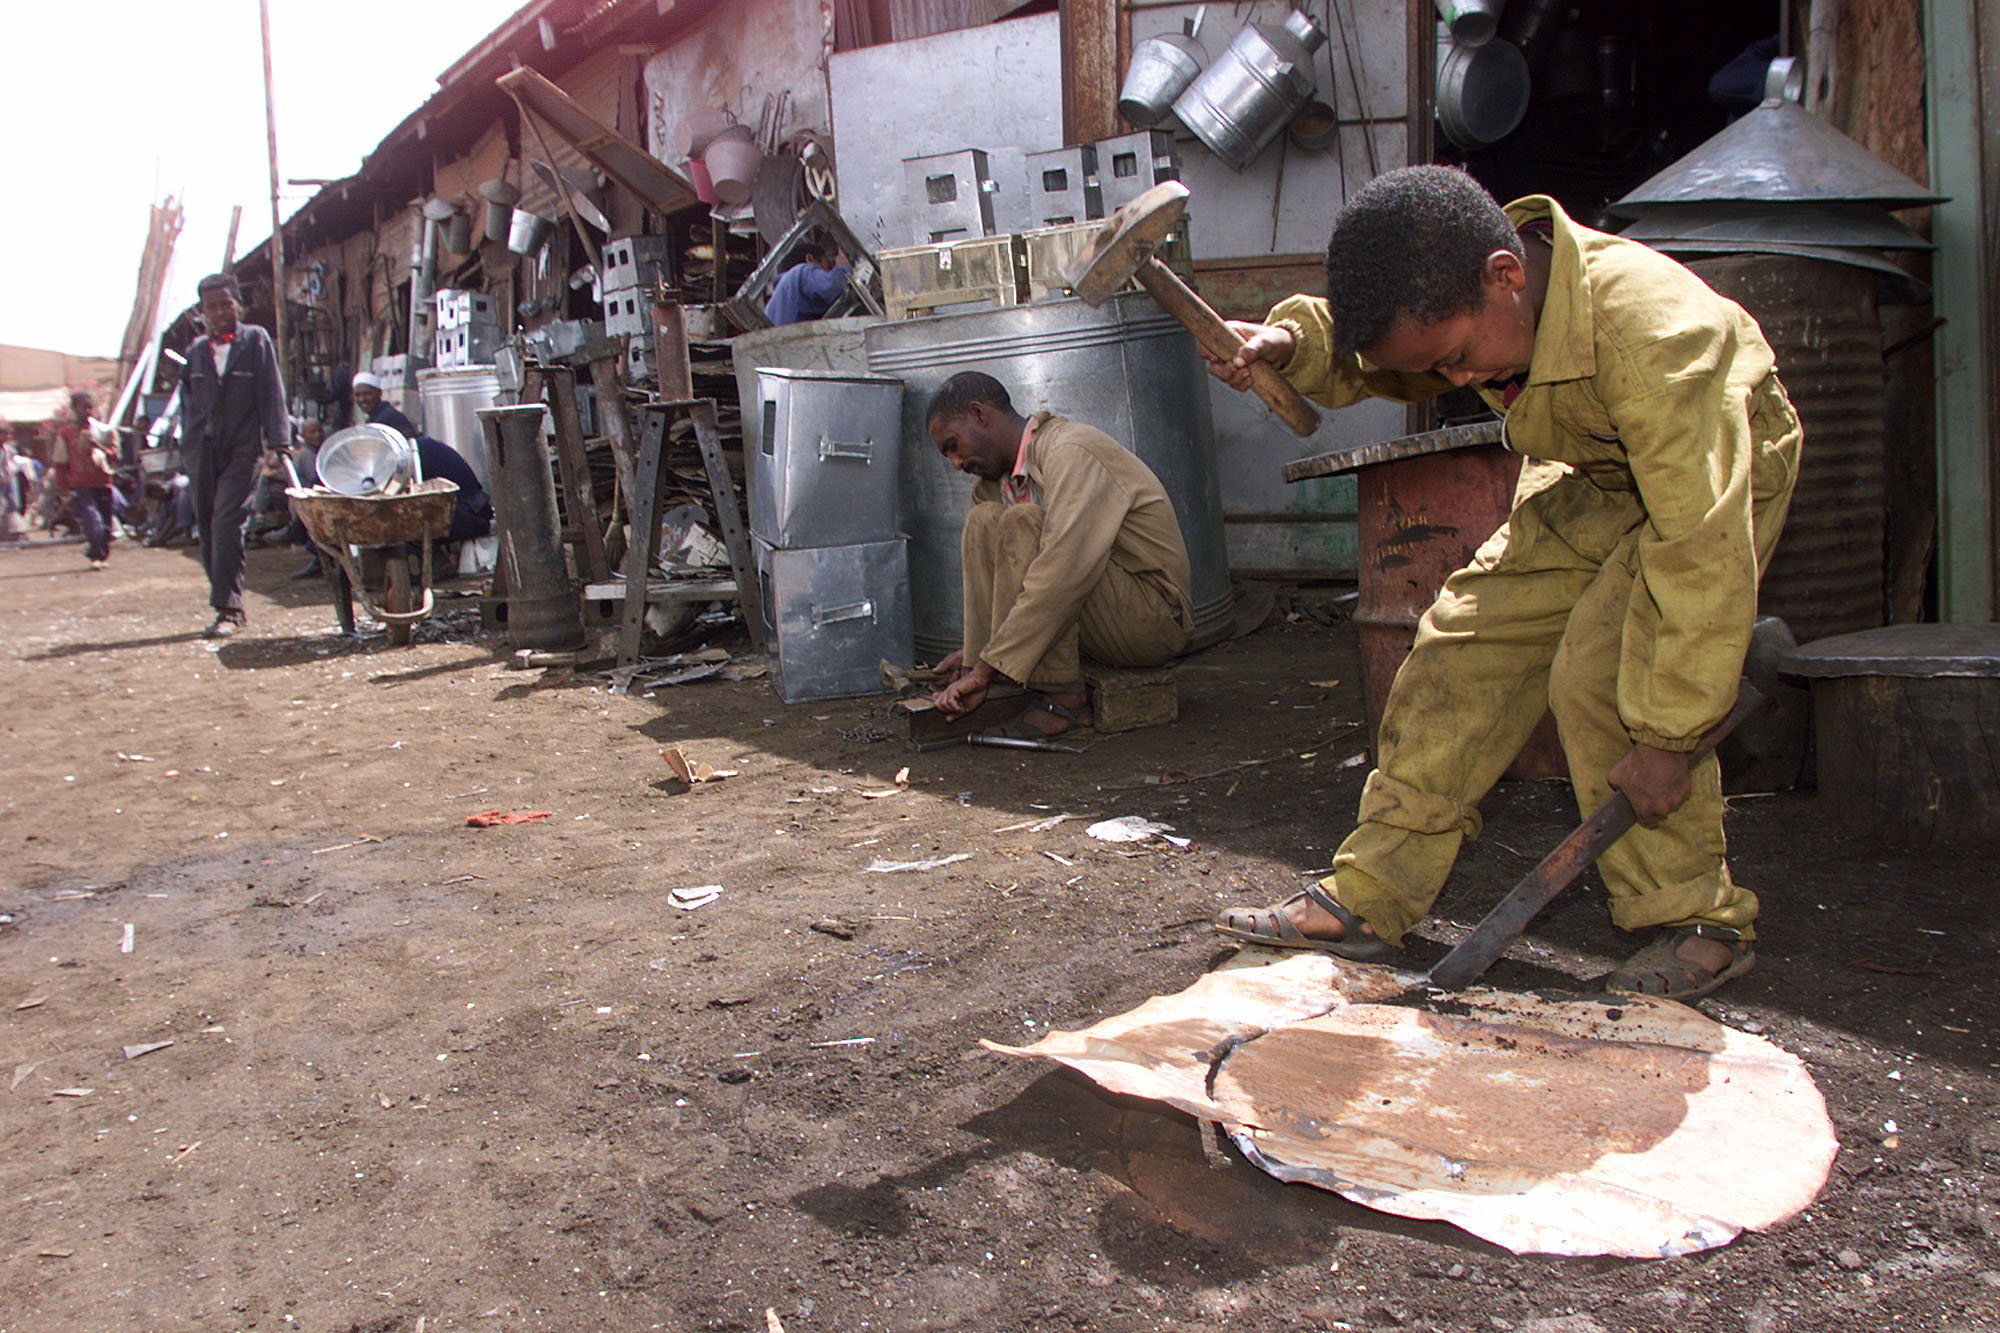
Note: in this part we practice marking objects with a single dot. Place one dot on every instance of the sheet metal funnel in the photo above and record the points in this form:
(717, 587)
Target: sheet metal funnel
(1855, 226)
(1778, 153)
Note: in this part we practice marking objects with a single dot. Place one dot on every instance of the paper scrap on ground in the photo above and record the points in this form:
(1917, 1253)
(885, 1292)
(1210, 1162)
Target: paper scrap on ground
(692, 771)
(1609, 1125)
(146, 1048)
(1127, 828)
(881, 867)
(497, 818)
(701, 895)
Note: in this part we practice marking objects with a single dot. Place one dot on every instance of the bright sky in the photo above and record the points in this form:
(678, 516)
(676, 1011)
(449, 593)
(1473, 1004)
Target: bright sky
(110, 105)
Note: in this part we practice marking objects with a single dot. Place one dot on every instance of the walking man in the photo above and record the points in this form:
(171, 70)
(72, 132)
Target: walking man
(234, 410)
(86, 460)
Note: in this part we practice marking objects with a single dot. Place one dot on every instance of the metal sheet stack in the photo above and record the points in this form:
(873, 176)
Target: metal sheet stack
(469, 331)
(833, 567)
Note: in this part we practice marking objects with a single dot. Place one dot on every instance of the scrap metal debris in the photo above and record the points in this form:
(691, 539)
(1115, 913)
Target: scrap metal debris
(146, 1048)
(701, 895)
(1592, 1125)
(692, 771)
(881, 867)
(497, 818)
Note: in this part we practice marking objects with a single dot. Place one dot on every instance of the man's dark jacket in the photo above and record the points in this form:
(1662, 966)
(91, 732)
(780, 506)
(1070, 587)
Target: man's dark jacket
(241, 412)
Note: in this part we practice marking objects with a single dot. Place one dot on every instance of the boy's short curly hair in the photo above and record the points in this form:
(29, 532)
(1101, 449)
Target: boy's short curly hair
(1412, 244)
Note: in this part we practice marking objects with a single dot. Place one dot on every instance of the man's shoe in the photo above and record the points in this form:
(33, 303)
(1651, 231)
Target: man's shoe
(224, 626)
(310, 571)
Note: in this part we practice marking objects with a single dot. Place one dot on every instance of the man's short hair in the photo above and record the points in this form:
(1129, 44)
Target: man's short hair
(1411, 244)
(964, 389)
(225, 281)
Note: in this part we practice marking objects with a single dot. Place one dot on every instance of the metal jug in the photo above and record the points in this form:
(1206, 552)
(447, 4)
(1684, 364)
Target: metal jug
(1242, 101)
(1162, 67)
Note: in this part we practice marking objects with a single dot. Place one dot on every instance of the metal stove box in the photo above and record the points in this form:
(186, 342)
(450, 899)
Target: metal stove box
(949, 195)
(629, 310)
(635, 261)
(1063, 187)
(833, 614)
(1131, 164)
(825, 465)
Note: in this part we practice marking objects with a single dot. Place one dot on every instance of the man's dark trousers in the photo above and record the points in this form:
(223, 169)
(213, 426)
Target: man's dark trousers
(223, 489)
(91, 507)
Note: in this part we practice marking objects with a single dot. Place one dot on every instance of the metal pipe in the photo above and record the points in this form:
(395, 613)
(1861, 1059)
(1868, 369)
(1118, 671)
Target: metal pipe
(542, 610)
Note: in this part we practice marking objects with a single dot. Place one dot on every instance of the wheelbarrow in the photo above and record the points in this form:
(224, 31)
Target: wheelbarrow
(366, 537)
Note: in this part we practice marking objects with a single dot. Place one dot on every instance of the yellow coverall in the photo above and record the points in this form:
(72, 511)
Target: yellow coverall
(1620, 592)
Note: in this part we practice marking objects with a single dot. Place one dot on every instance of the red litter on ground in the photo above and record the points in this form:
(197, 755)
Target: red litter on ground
(495, 818)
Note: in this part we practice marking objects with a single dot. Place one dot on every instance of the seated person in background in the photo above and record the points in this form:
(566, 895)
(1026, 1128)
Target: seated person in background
(372, 410)
(809, 288)
(1071, 546)
(472, 512)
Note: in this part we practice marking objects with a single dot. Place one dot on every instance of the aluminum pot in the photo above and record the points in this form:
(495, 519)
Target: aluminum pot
(501, 195)
(1162, 67)
(732, 158)
(1482, 92)
(528, 232)
(1242, 101)
(1472, 22)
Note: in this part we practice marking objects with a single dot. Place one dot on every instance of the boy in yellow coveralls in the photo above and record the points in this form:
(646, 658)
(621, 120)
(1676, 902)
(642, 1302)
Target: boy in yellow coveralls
(1619, 594)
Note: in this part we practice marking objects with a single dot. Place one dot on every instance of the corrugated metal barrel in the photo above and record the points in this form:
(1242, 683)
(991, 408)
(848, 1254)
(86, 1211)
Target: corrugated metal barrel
(1422, 518)
(1126, 367)
(542, 606)
(1820, 318)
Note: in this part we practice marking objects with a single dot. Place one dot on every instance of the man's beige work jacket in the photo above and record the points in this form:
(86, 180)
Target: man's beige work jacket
(1100, 506)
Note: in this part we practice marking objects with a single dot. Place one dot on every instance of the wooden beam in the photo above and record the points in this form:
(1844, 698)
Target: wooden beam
(1088, 31)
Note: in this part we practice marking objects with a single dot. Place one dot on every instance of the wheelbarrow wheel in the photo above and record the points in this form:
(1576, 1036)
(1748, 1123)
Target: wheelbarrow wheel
(396, 597)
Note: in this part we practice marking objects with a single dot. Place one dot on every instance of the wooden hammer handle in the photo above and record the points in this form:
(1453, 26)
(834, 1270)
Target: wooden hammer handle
(1178, 300)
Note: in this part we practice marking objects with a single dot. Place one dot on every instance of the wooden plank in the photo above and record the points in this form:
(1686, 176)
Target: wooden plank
(662, 188)
(729, 517)
(648, 497)
(574, 468)
(607, 377)
(670, 347)
(662, 591)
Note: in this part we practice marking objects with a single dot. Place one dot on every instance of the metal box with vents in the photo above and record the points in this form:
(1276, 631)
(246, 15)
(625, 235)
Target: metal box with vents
(833, 614)
(825, 465)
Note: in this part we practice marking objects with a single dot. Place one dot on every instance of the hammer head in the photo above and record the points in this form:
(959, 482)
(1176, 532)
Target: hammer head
(1125, 241)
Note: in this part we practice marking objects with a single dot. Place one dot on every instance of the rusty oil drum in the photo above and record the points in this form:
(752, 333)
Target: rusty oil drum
(1427, 503)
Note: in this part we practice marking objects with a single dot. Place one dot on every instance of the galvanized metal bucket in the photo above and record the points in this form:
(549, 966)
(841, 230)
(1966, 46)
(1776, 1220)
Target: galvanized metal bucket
(1162, 67)
(1243, 101)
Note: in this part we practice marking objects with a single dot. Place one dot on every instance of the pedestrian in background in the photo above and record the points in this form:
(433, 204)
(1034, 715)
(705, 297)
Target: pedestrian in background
(233, 405)
(85, 455)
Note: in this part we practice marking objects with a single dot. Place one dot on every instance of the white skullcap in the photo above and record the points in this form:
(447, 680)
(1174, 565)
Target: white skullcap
(365, 380)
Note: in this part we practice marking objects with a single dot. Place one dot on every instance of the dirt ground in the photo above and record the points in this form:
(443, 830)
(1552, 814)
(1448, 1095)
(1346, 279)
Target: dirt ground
(427, 1076)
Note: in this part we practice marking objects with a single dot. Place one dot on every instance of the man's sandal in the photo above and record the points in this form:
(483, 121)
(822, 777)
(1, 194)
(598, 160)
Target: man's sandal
(1022, 729)
(1270, 927)
(1658, 969)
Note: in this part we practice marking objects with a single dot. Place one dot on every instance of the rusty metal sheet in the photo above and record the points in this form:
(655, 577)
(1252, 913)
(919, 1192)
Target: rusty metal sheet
(1588, 1125)
(659, 186)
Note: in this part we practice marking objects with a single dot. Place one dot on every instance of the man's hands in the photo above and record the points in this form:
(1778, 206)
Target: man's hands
(1654, 781)
(967, 687)
(1261, 342)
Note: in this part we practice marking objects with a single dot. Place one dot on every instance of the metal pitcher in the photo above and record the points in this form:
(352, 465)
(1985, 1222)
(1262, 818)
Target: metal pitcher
(1242, 101)
(1162, 67)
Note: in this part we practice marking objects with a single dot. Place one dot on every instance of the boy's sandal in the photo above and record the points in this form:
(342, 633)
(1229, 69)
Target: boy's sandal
(1658, 969)
(1270, 927)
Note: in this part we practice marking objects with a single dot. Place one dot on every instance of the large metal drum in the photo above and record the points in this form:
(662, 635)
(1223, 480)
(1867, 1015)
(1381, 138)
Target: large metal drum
(452, 399)
(1829, 571)
(1126, 367)
(1420, 520)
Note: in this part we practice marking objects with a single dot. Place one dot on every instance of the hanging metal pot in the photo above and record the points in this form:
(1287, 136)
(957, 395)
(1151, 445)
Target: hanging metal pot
(1242, 101)
(500, 196)
(1482, 91)
(1162, 67)
(529, 232)
(1472, 22)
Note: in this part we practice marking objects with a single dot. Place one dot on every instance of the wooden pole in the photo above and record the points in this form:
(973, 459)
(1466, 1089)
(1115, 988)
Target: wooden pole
(229, 246)
(277, 222)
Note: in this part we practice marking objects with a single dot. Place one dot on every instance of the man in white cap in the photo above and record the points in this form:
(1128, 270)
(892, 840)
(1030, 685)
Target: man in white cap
(368, 402)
